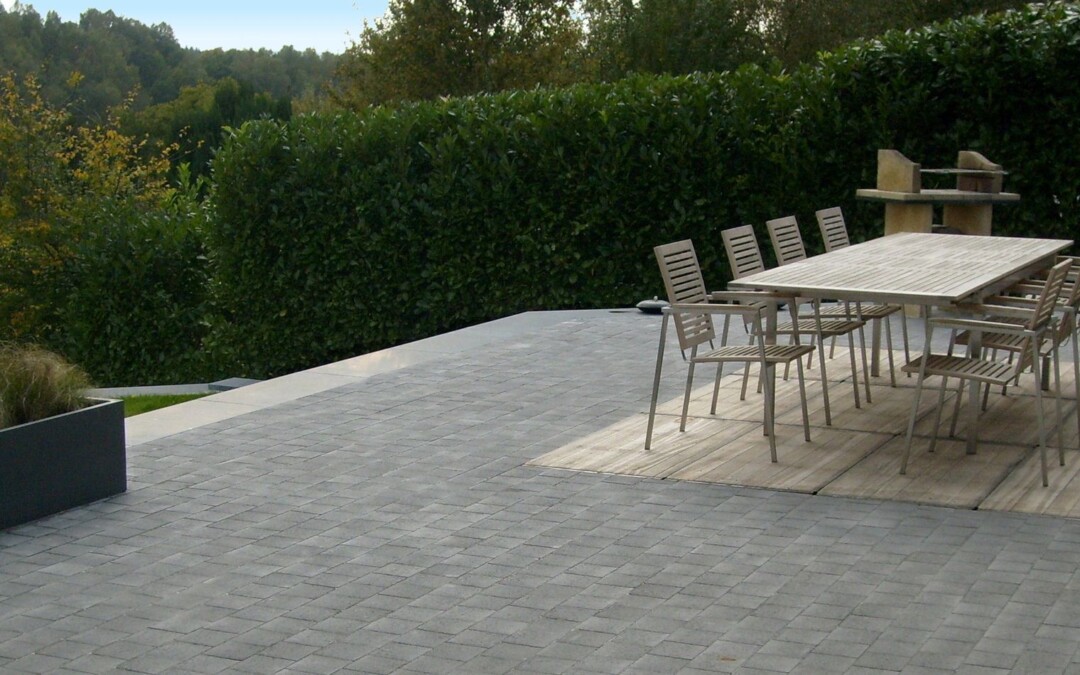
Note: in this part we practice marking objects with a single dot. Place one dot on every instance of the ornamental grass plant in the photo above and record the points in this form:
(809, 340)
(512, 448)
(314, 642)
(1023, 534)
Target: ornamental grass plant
(36, 383)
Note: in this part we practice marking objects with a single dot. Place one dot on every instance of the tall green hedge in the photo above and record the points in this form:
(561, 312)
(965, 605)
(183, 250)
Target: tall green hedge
(342, 234)
(130, 302)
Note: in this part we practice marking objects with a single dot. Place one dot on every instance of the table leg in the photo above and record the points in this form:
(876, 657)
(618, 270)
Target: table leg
(770, 323)
(875, 348)
(974, 399)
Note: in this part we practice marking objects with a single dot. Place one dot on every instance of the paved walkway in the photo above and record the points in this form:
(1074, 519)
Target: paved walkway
(384, 522)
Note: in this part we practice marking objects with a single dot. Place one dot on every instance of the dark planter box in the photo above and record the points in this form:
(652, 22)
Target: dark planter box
(61, 462)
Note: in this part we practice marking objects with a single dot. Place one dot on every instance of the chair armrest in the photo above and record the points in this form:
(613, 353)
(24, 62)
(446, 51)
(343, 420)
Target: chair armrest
(751, 296)
(1011, 301)
(709, 308)
(980, 326)
(1030, 287)
(1017, 311)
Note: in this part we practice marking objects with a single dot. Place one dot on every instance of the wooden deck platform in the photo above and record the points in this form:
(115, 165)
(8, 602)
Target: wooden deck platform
(859, 456)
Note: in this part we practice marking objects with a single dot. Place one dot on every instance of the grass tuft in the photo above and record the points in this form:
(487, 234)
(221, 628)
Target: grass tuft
(36, 383)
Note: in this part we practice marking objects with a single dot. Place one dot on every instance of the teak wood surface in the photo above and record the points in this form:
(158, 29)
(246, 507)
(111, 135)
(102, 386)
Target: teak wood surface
(859, 456)
(912, 268)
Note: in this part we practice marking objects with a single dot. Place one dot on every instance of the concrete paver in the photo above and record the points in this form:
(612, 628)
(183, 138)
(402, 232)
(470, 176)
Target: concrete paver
(387, 523)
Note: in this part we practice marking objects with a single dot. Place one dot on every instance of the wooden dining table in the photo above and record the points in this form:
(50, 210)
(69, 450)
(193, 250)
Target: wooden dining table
(938, 271)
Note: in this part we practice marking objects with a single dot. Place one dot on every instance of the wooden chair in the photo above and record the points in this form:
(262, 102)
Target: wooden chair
(1031, 336)
(743, 252)
(834, 234)
(1066, 328)
(788, 247)
(693, 325)
(744, 256)
(685, 284)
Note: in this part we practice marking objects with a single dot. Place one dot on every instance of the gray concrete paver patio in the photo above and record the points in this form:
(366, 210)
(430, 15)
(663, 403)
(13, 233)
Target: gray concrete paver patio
(389, 524)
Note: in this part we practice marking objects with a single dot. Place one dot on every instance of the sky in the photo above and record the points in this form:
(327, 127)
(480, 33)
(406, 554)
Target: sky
(324, 25)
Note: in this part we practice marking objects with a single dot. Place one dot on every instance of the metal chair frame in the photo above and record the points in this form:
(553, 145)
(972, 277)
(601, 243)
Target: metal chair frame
(1032, 333)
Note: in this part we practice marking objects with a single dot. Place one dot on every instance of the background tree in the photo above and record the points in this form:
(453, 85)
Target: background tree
(796, 30)
(195, 120)
(53, 177)
(672, 37)
(429, 48)
(116, 56)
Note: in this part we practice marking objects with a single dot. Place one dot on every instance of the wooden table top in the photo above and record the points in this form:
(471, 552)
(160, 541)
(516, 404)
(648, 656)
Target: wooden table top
(912, 268)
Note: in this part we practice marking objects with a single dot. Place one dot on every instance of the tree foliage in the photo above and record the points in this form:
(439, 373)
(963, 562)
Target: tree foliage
(197, 118)
(429, 48)
(795, 31)
(116, 56)
(424, 49)
(672, 37)
(99, 255)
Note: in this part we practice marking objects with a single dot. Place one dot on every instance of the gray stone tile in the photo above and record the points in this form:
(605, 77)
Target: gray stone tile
(391, 525)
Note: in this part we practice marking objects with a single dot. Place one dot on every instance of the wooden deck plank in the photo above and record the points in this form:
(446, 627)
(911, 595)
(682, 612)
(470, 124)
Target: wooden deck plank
(858, 457)
(801, 466)
(946, 477)
(887, 414)
(620, 447)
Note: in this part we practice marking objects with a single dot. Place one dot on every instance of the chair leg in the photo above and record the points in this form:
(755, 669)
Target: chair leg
(854, 368)
(824, 385)
(1076, 380)
(865, 367)
(716, 387)
(1060, 418)
(937, 412)
(911, 420)
(973, 416)
(686, 396)
(1039, 404)
(656, 381)
(986, 392)
(1005, 387)
(904, 332)
(802, 396)
(770, 404)
(956, 409)
(889, 346)
(720, 366)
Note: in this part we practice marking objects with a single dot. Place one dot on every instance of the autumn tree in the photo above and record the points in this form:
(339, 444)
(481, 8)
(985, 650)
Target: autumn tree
(54, 177)
(429, 48)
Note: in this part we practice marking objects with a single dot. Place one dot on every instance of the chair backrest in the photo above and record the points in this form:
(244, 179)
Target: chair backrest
(1043, 310)
(684, 284)
(833, 228)
(1070, 298)
(1071, 293)
(786, 239)
(742, 250)
(1048, 299)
